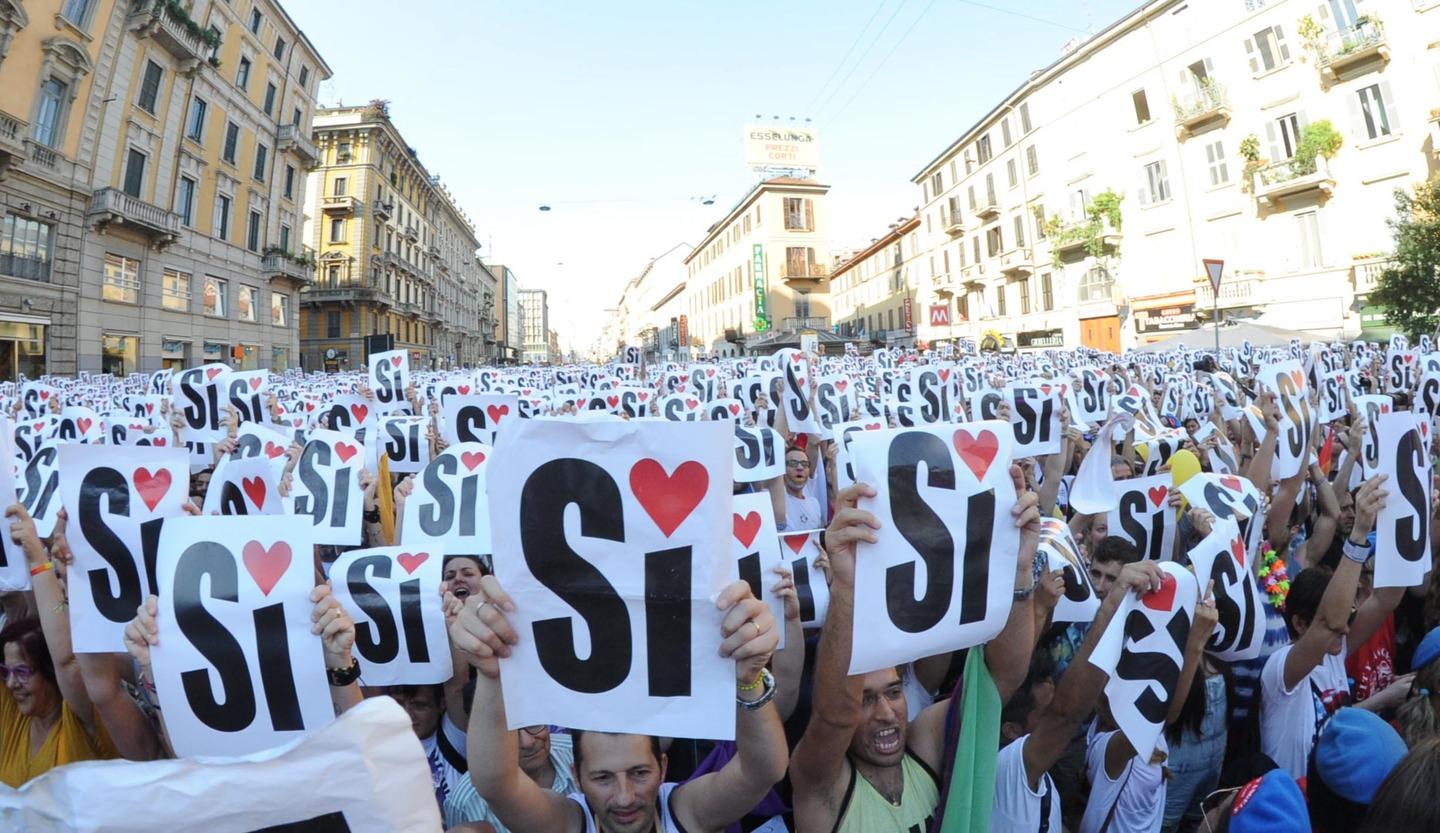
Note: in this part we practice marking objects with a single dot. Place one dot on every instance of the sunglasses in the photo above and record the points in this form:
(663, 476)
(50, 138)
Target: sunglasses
(22, 673)
(798, 464)
(1212, 802)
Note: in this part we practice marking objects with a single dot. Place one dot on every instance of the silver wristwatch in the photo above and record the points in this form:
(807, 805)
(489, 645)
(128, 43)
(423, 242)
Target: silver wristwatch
(767, 682)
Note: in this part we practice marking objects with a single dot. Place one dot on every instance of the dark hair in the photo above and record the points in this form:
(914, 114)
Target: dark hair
(577, 735)
(1192, 713)
(1022, 702)
(27, 634)
(793, 447)
(1405, 802)
(479, 562)
(1328, 810)
(1306, 591)
(1115, 548)
(411, 690)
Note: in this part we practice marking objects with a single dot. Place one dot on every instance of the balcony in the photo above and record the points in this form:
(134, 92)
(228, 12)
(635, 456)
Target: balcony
(973, 273)
(804, 275)
(345, 290)
(1291, 177)
(1242, 289)
(1207, 106)
(339, 204)
(293, 138)
(382, 210)
(280, 264)
(412, 234)
(170, 27)
(813, 322)
(1365, 274)
(943, 285)
(12, 142)
(989, 207)
(953, 226)
(1078, 239)
(111, 206)
(1353, 47)
(1017, 263)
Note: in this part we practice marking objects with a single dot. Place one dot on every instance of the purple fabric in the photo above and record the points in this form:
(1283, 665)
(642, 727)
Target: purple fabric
(724, 750)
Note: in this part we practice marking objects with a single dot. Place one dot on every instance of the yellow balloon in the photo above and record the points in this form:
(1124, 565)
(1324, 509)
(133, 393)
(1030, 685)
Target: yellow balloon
(1183, 466)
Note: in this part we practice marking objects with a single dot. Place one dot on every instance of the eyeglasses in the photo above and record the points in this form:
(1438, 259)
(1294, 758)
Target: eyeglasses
(1212, 802)
(535, 731)
(22, 673)
(798, 464)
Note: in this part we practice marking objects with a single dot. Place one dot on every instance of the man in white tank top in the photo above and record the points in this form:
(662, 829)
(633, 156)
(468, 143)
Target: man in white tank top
(621, 776)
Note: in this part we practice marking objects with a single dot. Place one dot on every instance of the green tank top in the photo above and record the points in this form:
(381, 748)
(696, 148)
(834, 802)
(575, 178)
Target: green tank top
(865, 810)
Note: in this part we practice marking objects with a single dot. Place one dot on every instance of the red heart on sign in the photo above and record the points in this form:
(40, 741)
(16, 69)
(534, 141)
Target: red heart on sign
(309, 406)
(796, 543)
(1231, 482)
(734, 409)
(692, 403)
(1161, 599)
(158, 441)
(842, 384)
(612, 401)
(464, 389)
(149, 407)
(394, 361)
(266, 566)
(345, 451)
(644, 395)
(496, 411)
(359, 412)
(151, 487)
(668, 498)
(471, 459)
(44, 395)
(747, 528)
(39, 426)
(254, 488)
(1298, 378)
(84, 424)
(945, 376)
(255, 383)
(212, 373)
(977, 452)
(1237, 549)
(872, 426)
(412, 561)
(1157, 495)
(272, 450)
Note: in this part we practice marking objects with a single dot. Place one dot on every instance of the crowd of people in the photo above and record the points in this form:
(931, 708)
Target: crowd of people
(1334, 726)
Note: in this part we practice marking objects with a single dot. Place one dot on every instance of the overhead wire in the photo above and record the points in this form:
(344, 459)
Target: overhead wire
(843, 58)
(858, 61)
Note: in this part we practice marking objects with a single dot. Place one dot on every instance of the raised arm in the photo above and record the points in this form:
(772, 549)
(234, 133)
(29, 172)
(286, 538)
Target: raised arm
(1259, 469)
(1007, 656)
(1324, 532)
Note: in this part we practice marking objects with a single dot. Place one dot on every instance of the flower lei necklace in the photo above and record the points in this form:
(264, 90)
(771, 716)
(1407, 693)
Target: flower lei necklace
(1274, 578)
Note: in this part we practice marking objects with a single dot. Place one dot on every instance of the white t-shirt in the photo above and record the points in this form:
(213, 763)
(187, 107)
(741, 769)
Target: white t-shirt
(1017, 807)
(446, 758)
(1290, 719)
(803, 512)
(1138, 795)
(665, 823)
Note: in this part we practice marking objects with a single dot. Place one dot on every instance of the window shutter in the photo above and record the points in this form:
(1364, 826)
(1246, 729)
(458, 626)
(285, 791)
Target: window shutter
(925, 190)
(1164, 182)
(1280, 43)
(1272, 139)
(1144, 188)
(1304, 123)
(1209, 68)
(1250, 53)
(809, 216)
(1391, 111)
(1358, 131)
(1322, 14)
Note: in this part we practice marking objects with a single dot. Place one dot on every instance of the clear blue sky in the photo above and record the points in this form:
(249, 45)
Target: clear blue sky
(617, 114)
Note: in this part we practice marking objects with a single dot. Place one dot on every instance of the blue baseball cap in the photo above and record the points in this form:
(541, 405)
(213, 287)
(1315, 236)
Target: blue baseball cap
(1270, 804)
(1427, 652)
(1355, 751)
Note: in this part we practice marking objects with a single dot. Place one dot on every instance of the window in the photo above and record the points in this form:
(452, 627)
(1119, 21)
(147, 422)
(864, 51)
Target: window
(246, 302)
(332, 325)
(800, 262)
(994, 241)
(1012, 171)
(798, 214)
(1024, 118)
(342, 152)
(1215, 159)
(262, 161)
(990, 190)
(222, 217)
(1025, 297)
(1142, 106)
(1308, 226)
(1284, 136)
(232, 140)
(340, 186)
(332, 277)
(289, 182)
(982, 148)
(1000, 300)
(1377, 112)
(971, 191)
(1038, 212)
(74, 11)
(295, 119)
(279, 309)
(937, 183)
(304, 76)
(1047, 293)
(185, 200)
(337, 229)
(1267, 50)
(134, 173)
(1096, 285)
(975, 244)
(1032, 161)
(279, 52)
(119, 354)
(121, 281)
(1005, 132)
(252, 232)
(150, 86)
(25, 248)
(54, 96)
(242, 74)
(1156, 188)
(195, 120)
(255, 20)
(214, 39)
(1019, 230)
(215, 290)
(284, 238)
(269, 97)
(175, 290)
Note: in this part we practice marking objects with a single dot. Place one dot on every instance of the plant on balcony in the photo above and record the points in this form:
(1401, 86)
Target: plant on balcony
(177, 12)
(1102, 210)
(1312, 36)
(1250, 152)
(1408, 289)
(1209, 96)
(1319, 138)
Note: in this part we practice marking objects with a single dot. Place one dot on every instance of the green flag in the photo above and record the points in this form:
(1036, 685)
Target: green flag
(970, 795)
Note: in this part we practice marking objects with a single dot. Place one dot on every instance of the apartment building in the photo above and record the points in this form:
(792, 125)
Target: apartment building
(535, 327)
(763, 268)
(395, 255)
(1077, 211)
(652, 312)
(874, 291)
(509, 340)
(153, 159)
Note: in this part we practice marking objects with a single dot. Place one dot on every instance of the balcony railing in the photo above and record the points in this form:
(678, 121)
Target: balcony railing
(285, 265)
(293, 138)
(172, 29)
(344, 289)
(989, 207)
(1365, 274)
(1293, 176)
(1016, 262)
(12, 141)
(112, 206)
(412, 233)
(340, 203)
(27, 268)
(1352, 46)
(382, 210)
(805, 271)
(1240, 290)
(1073, 238)
(812, 322)
(1208, 104)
